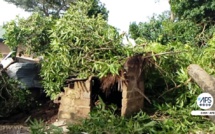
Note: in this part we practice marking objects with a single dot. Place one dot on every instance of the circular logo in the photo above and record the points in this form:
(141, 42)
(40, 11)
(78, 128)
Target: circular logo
(205, 101)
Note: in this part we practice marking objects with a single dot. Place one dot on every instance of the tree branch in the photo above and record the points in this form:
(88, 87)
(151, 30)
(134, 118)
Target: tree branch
(178, 86)
(164, 53)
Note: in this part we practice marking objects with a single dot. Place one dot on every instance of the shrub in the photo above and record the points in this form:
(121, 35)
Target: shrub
(12, 98)
(32, 33)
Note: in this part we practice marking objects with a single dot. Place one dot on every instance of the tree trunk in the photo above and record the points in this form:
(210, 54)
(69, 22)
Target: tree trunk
(204, 80)
(172, 17)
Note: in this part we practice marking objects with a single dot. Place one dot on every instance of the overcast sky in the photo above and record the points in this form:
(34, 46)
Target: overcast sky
(121, 12)
(9, 11)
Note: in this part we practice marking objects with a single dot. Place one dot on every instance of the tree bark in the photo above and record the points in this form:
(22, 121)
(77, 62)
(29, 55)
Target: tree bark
(172, 17)
(204, 80)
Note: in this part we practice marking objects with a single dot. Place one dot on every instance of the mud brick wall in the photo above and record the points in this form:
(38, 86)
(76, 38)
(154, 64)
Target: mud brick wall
(75, 102)
(132, 100)
(133, 92)
(4, 50)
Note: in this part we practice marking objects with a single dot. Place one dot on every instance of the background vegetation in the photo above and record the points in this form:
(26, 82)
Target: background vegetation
(12, 99)
(1, 32)
(80, 44)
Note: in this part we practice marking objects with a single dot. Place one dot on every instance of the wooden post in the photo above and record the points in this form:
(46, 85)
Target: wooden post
(204, 80)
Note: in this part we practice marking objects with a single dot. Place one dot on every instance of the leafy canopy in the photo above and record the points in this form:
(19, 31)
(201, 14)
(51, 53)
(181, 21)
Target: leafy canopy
(151, 30)
(84, 38)
(161, 29)
(32, 33)
(198, 11)
(81, 46)
(58, 7)
(193, 22)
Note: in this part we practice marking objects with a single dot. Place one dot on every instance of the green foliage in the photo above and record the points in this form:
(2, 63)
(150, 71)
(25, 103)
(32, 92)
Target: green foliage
(193, 22)
(38, 127)
(172, 68)
(162, 30)
(169, 120)
(11, 96)
(197, 11)
(172, 93)
(105, 121)
(151, 30)
(181, 31)
(53, 7)
(200, 13)
(81, 46)
(98, 8)
(35, 34)
(31, 33)
(56, 8)
(170, 89)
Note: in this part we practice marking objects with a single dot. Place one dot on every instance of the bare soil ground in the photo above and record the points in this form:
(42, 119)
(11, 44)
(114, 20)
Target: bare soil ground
(19, 122)
(46, 112)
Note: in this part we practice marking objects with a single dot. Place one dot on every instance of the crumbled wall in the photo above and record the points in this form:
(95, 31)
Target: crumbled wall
(75, 102)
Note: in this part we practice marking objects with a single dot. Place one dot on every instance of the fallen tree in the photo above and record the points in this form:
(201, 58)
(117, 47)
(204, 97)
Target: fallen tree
(204, 80)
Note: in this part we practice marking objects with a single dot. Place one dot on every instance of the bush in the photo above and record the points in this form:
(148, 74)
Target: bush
(12, 98)
(32, 33)
(39, 127)
(163, 30)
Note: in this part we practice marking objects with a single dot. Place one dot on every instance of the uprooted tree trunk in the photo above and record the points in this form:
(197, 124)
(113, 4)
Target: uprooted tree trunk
(204, 80)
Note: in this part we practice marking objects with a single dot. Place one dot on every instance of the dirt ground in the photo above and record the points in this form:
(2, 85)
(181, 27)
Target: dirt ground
(19, 123)
(46, 112)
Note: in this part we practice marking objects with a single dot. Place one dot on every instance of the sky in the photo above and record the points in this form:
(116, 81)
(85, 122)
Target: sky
(121, 12)
(124, 12)
(9, 12)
